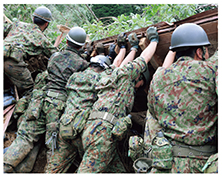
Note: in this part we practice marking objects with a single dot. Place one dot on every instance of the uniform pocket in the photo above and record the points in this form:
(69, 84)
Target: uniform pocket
(66, 130)
(120, 128)
(35, 105)
(162, 156)
(135, 147)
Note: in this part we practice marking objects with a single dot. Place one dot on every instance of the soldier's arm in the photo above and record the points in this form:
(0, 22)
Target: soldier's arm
(134, 42)
(169, 59)
(149, 51)
(49, 49)
(119, 58)
(129, 57)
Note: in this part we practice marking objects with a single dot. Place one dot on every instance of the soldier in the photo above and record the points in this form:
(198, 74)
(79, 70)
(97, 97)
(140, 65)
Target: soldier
(60, 67)
(182, 108)
(22, 41)
(115, 100)
(82, 94)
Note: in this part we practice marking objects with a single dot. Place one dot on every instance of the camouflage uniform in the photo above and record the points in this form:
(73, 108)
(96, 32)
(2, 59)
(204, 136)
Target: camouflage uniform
(183, 104)
(212, 164)
(81, 96)
(115, 97)
(23, 40)
(21, 154)
(60, 67)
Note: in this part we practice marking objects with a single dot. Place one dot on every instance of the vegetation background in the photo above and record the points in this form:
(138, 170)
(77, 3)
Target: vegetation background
(104, 20)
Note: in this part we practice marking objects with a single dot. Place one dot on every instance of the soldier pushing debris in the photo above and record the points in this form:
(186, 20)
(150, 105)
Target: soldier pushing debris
(79, 105)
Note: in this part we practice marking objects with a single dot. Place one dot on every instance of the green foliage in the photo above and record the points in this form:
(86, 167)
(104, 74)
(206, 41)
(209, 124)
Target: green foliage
(19, 12)
(169, 12)
(115, 10)
(97, 30)
(121, 17)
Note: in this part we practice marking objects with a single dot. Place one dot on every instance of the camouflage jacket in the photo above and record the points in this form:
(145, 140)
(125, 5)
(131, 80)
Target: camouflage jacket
(81, 96)
(28, 38)
(183, 99)
(116, 88)
(61, 66)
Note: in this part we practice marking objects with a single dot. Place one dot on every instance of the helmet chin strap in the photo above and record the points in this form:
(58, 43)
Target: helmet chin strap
(204, 52)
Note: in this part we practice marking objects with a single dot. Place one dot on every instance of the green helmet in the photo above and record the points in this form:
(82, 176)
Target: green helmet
(188, 35)
(43, 13)
(103, 61)
(77, 36)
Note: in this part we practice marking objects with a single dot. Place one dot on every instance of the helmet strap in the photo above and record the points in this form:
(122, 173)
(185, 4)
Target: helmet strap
(204, 52)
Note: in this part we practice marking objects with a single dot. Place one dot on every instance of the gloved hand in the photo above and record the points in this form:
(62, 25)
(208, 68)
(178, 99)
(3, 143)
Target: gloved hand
(121, 40)
(112, 54)
(152, 35)
(133, 40)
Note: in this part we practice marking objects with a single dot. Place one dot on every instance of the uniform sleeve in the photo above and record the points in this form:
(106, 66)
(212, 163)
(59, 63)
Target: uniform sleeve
(214, 58)
(49, 49)
(213, 63)
(135, 67)
(85, 65)
(216, 82)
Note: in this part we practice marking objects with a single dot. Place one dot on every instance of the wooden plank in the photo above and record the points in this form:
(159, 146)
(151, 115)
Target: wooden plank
(6, 110)
(7, 118)
(9, 111)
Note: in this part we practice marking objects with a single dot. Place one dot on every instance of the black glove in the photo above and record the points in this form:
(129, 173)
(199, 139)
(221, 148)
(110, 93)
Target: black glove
(133, 40)
(112, 54)
(121, 40)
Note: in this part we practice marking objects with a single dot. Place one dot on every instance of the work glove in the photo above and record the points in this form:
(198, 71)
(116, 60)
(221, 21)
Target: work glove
(112, 54)
(152, 35)
(133, 40)
(121, 40)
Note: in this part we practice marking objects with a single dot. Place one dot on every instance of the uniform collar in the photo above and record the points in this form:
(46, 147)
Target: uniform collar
(72, 49)
(183, 58)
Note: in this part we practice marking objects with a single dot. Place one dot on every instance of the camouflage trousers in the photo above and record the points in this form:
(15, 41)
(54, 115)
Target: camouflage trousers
(184, 165)
(64, 155)
(18, 74)
(30, 131)
(100, 149)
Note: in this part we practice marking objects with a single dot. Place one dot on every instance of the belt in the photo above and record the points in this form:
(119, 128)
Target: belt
(104, 116)
(56, 95)
(186, 150)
